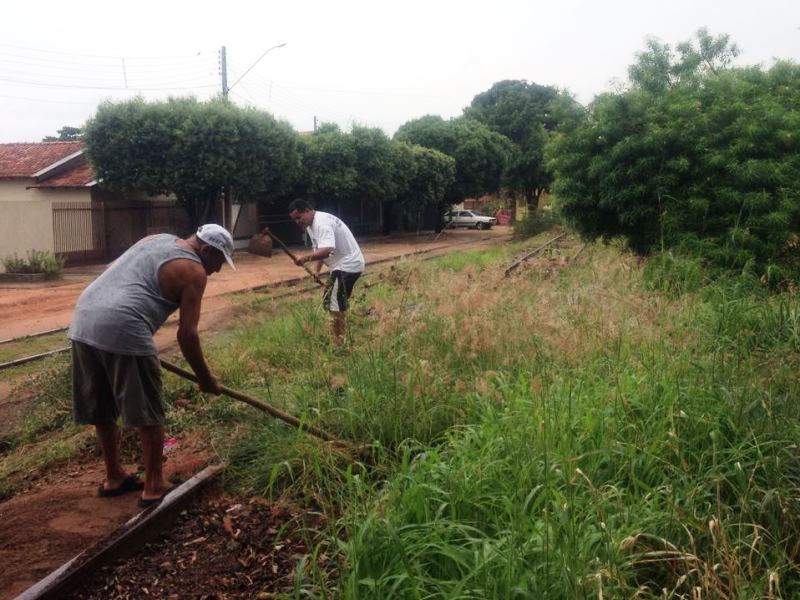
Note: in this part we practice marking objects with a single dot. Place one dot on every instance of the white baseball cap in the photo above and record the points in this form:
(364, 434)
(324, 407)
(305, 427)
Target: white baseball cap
(217, 237)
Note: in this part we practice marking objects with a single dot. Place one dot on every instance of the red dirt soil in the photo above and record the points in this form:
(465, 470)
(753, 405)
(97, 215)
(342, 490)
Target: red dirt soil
(30, 308)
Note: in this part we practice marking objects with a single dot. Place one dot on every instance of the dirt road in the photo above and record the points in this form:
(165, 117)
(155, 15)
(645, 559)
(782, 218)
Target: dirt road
(30, 308)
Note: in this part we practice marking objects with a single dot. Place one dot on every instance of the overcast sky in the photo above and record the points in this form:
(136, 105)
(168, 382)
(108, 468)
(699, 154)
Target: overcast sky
(375, 63)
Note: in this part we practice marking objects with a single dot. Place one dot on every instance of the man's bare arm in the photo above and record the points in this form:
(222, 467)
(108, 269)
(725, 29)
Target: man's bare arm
(318, 255)
(187, 280)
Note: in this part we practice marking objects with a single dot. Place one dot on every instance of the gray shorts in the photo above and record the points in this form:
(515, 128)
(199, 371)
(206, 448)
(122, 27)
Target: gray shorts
(106, 385)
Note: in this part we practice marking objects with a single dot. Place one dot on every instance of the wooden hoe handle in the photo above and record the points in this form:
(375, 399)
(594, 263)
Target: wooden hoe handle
(275, 412)
(292, 255)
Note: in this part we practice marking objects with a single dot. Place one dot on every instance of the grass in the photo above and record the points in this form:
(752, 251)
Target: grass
(598, 429)
(30, 346)
(610, 441)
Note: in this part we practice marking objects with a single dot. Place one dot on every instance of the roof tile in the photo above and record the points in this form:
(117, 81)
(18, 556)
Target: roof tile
(78, 176)
(23, 160)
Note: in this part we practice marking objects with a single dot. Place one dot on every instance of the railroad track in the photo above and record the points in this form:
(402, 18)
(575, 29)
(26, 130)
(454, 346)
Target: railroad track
(552, 244)
(269, 287)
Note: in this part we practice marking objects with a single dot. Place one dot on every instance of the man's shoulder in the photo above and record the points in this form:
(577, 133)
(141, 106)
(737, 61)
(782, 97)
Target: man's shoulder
(323, 217)
(184, 270)
(323, 220)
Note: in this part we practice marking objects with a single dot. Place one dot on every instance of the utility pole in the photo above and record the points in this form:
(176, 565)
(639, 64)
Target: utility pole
(227, 211)
(223, 69)
(225, 205)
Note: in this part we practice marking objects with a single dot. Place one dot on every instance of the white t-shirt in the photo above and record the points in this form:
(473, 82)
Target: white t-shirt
(328, 231)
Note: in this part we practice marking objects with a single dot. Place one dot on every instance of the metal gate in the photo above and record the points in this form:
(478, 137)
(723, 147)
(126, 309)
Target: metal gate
(79, 231)
(101, 231)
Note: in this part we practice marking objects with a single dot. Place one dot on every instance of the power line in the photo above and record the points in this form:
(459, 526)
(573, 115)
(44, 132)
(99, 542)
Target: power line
(166, 71)
(48, 101)
(102, 66)
(62, 53)
(112, 78)
(95, 87)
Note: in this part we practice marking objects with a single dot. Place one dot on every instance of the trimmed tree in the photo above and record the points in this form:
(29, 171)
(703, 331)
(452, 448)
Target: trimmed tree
(481, 155)
(422, 177)
(191, 149)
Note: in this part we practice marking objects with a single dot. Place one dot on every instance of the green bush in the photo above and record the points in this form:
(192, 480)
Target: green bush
(706, 161)
(534, 223)
(38, 261)
(675, 273)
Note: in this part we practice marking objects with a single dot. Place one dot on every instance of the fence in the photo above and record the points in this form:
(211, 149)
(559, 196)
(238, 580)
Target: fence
(101, 231)
(78, 231)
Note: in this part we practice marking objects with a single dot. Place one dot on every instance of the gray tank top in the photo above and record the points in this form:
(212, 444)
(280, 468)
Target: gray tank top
(121, 310)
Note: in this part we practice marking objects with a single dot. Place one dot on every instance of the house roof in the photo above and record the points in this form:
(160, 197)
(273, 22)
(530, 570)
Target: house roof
(78, 176)
(48, 164)
(24, 160)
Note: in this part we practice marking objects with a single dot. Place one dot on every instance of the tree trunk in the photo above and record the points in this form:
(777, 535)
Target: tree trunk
(532, 197)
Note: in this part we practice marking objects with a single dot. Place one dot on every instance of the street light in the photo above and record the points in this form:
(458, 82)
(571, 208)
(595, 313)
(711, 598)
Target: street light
(226, 205)
(254, 64)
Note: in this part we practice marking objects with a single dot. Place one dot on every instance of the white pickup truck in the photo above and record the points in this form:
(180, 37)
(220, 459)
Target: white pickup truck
(468, 218)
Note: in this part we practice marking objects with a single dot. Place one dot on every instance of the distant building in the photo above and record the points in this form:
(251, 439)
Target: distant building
(50, 200)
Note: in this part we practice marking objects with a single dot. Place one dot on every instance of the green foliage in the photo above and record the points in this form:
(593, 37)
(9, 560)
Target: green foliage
(659, 68)
(535, 222)
(481, 155)
(65, 134)
(329, 164)
(37, 261)
(365, 165)
(527, 114)
(374, 166)
(191, 149)
(423, 177)
(675, 273)
(649, 464)
(695, 157)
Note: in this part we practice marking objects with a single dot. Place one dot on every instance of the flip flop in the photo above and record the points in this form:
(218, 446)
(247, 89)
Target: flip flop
(142, 503)
(130, 484)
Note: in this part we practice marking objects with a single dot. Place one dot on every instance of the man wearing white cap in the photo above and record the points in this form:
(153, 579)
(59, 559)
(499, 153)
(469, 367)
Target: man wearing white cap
(115, 368)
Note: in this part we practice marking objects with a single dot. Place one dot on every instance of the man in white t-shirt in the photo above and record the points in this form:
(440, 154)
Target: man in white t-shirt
(334, 245)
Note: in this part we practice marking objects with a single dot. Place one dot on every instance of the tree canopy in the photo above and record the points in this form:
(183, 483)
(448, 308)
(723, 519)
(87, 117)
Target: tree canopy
(481, 155)
(526, 113)
(695, 154)
(65, 134)
(365, 166)
(422, 176)
(191, 149)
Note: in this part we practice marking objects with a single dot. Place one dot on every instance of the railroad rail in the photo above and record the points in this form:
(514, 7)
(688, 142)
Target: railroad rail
(32, 335)
(138, 530)
(267, 287)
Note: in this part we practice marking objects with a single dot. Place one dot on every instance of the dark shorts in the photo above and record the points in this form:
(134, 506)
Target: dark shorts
(106, 385)
(337, 293)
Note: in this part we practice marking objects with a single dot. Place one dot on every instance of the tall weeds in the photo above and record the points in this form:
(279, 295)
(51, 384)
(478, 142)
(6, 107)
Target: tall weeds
(614, 443)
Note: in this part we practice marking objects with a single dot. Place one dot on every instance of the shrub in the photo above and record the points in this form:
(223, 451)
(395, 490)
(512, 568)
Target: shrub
(705, 163)
(38, 261)
(534, 223)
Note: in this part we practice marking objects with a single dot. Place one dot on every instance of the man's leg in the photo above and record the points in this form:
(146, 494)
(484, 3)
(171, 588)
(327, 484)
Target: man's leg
(152, 450)
(93, 404)
(337, 297)
(108, 440)
(339, 326)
